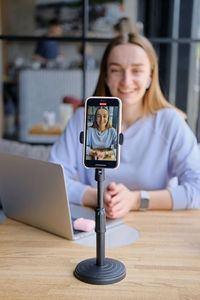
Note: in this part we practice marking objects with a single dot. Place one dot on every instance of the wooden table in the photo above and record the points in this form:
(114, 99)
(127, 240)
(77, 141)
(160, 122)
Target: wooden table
(89, 157)
(39, 128)
(164, 263)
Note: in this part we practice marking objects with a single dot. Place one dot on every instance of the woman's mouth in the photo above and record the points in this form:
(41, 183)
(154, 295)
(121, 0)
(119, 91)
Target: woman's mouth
(127, 91)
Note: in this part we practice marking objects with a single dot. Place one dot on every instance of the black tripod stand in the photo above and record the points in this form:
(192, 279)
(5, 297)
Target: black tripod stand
(100, 270)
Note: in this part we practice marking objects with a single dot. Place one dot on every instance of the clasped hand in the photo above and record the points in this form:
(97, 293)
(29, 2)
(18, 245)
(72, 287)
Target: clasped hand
(119, 200)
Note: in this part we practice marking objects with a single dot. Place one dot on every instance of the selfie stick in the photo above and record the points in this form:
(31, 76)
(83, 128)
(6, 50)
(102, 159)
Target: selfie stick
(100, 270)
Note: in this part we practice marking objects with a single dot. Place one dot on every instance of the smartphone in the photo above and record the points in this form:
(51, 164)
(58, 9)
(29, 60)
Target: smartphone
(101, 132)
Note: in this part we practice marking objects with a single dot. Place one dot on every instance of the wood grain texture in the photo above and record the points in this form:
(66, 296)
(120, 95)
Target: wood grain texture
(163, 264)
(40, 129)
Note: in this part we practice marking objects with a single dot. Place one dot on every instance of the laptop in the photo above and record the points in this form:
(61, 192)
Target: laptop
(33, 192)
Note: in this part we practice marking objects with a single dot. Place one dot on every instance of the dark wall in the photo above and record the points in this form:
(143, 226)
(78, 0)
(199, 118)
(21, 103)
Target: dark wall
(157, 17)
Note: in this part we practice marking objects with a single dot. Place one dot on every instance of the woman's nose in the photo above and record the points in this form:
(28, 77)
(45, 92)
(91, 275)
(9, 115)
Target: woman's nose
(126, 78)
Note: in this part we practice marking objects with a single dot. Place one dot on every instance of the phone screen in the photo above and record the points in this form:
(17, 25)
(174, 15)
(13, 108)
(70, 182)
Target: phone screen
(101, 132)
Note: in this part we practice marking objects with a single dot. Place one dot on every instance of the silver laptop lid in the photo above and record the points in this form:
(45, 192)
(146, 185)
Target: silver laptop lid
(33, 192)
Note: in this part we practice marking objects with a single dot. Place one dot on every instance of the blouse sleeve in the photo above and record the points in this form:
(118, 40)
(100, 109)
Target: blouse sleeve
(113, 139)
(65, 152)
(89, 141)
(184, 163)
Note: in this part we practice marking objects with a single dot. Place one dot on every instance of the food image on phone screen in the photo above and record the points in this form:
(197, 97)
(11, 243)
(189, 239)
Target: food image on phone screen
(101, 132)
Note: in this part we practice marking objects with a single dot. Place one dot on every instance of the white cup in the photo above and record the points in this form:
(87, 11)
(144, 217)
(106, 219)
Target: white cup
(49, 118)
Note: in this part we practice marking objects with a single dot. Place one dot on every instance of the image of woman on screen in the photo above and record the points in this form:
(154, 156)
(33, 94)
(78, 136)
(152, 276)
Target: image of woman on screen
(101, 136)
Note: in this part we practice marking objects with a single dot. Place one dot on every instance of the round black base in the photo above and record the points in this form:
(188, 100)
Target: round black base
(88, 271)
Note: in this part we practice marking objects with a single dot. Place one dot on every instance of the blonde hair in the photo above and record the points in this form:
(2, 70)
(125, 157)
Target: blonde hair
(153, 99)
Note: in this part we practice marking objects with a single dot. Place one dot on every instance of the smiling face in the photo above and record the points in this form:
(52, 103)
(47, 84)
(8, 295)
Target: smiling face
(128, 73)
(102, 118)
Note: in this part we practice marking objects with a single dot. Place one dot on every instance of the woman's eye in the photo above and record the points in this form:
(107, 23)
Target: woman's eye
(137, 71)
(115, 71)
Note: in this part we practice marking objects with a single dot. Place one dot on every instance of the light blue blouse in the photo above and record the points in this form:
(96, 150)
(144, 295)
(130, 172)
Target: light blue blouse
(106, 139)
(155, 149)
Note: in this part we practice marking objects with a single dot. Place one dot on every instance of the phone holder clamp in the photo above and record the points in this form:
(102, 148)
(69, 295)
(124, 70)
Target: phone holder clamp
(121, 138)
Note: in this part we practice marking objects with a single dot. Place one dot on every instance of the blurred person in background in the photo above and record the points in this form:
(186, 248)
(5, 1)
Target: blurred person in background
(49, 49)
(124, 26)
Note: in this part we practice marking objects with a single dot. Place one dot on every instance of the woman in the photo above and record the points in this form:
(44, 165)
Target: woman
(158, 144)
(101, 137)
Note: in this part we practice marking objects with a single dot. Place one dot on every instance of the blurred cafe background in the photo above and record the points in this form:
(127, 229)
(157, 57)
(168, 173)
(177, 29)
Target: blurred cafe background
(37, 97)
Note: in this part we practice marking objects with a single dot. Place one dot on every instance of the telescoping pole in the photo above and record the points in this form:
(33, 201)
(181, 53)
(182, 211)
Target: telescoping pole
(100, 218)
